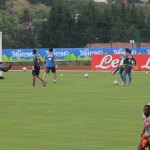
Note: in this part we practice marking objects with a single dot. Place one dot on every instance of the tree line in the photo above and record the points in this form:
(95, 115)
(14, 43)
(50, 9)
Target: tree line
(77, 23)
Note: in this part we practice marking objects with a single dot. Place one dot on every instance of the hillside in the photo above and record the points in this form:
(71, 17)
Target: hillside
(17, 6)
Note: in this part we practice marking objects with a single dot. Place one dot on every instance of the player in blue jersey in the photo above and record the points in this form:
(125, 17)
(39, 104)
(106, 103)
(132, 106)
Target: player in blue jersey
(36, 67)
(130, 61)
(51, 65)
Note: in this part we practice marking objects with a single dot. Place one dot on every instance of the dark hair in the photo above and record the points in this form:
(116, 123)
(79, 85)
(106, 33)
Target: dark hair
(34, 51)
(130, 51)
(148, 106)
(127, 50)
(0, 62)
(51, 49)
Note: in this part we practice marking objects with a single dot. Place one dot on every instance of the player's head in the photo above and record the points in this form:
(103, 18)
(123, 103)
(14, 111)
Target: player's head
(127, 50)
(51, 49)
(147, 110)
(130, 51)
(34, 51)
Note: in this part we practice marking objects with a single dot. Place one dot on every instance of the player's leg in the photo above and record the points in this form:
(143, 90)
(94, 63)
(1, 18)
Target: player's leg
(121, 72)
(128, 71)
(116, 70)
(39, 78)
(140, 147)
(54, 71)
(130, 78)
(47, 70)
(124, 75)
(33, 78)
(129, 74)
(37, 72)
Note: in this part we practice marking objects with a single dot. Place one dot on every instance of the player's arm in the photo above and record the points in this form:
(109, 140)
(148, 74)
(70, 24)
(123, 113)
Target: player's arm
(45, 60)
(5, 69)
(134, 61)
(121, 57)
(143, 132)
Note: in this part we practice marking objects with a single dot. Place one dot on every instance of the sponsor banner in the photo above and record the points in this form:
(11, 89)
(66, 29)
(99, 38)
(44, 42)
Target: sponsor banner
(69, 54)
(110, 62)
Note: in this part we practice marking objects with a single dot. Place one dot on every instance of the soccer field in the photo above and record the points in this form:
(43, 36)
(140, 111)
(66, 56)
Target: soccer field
(76, 113)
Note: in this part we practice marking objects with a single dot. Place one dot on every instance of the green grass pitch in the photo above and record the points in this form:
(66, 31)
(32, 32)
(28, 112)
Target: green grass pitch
(76, 113)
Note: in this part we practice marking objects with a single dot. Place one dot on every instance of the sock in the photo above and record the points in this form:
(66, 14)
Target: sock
(33, 84)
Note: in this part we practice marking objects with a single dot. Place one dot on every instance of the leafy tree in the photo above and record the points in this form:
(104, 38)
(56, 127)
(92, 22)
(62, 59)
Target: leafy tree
(3, 4)
(119, 31)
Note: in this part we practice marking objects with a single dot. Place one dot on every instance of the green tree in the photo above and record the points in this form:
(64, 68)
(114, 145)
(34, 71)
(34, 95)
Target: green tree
(119, 33)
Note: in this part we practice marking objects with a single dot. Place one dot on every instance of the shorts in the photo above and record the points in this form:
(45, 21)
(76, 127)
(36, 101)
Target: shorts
(52, 69)
(128, 69)
(36, 71)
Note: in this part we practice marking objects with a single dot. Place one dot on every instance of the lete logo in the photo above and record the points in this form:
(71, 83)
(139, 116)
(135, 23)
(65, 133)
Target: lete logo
(147, 64)
(108, 62)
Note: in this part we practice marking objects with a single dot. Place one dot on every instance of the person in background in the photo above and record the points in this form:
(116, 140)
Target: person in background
(145, 136)
(36, 67)
(50, 65)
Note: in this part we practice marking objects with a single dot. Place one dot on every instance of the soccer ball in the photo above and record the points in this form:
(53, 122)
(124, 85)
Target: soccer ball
(24, 68)
(86, 75)
(115, 82)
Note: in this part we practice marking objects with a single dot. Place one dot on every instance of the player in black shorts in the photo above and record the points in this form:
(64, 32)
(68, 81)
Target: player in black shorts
(36, 67)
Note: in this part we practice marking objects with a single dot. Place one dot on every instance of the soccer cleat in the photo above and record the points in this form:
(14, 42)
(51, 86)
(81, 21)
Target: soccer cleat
(54, 81)
(44, 83)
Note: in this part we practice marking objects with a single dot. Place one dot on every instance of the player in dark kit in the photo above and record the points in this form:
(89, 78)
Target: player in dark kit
(129, 59)
(122, 67)
(36, 67)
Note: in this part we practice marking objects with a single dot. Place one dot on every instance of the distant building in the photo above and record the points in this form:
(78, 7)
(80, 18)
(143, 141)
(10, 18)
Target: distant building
(101, 1)
(144, 1)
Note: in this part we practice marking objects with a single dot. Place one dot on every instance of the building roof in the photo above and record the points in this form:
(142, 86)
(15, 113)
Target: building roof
(104, 1)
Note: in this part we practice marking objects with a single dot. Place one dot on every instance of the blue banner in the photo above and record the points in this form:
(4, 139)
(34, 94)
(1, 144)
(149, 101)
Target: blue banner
(66, 53)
